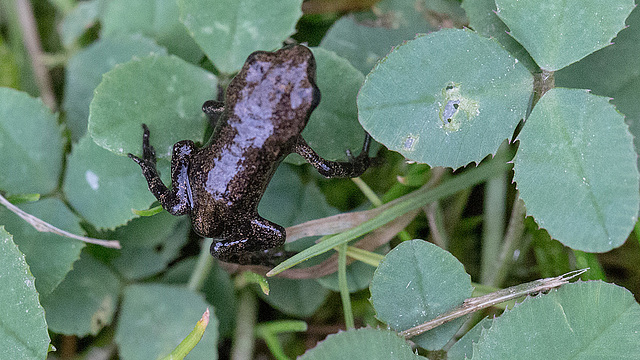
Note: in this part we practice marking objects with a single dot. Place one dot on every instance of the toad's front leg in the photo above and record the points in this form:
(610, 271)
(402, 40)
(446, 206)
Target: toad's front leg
(355, 167)
(176, 199)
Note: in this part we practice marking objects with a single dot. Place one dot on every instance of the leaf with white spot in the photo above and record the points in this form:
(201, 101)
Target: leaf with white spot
(104, 187)
(445, 99)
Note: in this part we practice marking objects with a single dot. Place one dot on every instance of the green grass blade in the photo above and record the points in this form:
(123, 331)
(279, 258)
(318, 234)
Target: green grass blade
(416, 200)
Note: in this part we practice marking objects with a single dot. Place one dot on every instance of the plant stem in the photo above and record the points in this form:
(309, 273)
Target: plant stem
(344, 287)
(203, 267)
(269, 333)
(481, 290)
(454, 210)
(244, 338)
(274, 346)
(365, 256)
(376, 202)
(34, 49)
(366, 190)
(492, 227)
(512, 240)
(436, 225)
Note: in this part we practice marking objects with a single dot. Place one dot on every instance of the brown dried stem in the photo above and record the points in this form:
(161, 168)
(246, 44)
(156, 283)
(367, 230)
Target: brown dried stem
(43, 226)
(36, 55)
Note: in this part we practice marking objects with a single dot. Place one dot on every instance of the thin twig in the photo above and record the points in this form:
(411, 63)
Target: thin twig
(34, 48)
(482, 302)
(43, 226)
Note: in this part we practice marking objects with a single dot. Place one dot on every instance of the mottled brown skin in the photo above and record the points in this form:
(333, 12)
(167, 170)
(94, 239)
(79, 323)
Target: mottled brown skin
(220, 185)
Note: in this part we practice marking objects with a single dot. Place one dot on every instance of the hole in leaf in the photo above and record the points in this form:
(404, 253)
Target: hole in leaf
(455, 108)
(450, 109)
(409, 142)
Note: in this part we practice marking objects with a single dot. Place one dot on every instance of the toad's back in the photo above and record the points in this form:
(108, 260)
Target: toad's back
(267, 106)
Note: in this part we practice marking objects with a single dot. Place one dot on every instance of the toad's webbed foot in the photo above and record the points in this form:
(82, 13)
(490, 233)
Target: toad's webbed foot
(251, 242)
(268, 257)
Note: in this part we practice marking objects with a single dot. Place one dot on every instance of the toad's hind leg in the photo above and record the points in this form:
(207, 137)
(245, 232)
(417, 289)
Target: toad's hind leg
(253, 242)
